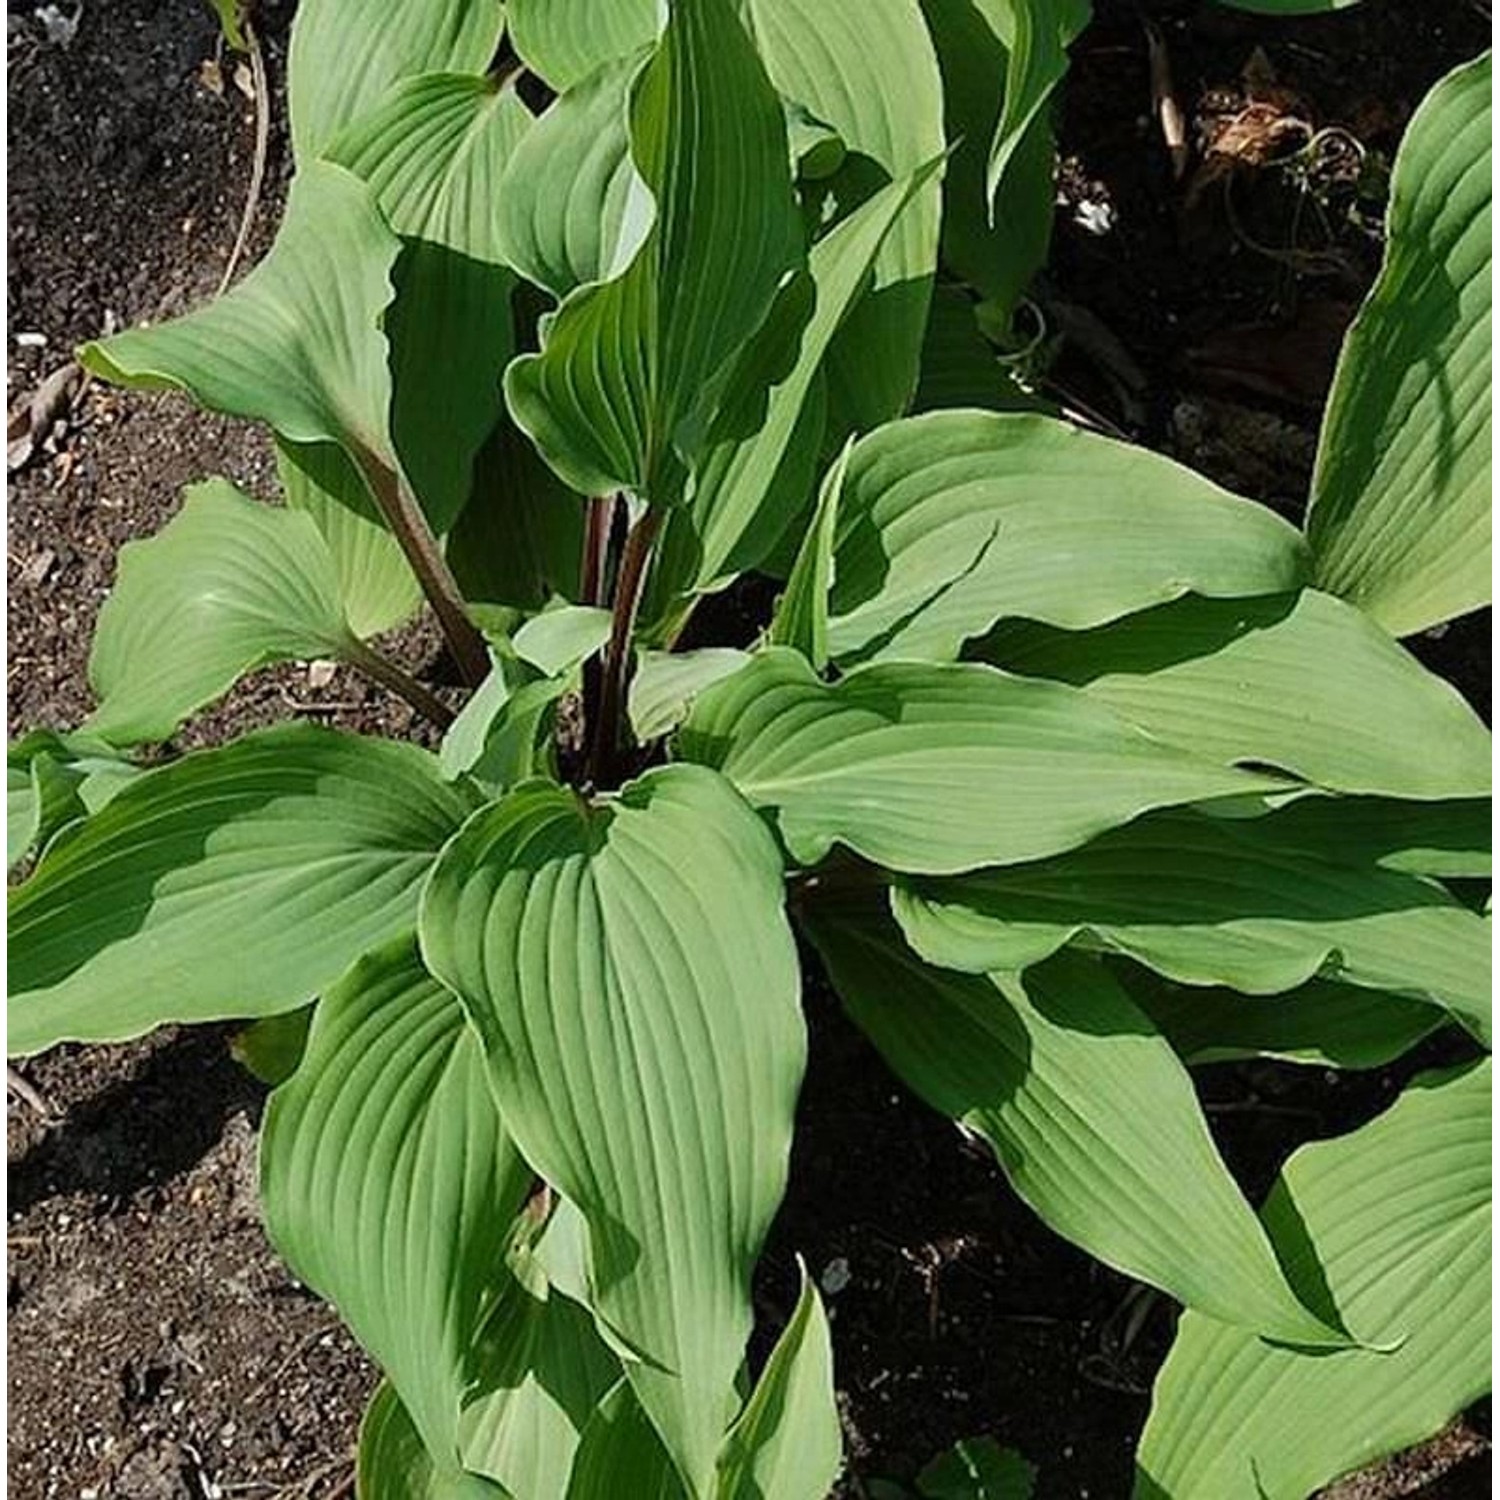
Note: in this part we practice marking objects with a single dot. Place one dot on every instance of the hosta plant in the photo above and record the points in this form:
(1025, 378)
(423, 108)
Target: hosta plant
(1070, 768)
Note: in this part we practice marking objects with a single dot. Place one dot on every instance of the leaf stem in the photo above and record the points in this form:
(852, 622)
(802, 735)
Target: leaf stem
(634, 562)
(404, 516)
(598, 525)
(379, 669)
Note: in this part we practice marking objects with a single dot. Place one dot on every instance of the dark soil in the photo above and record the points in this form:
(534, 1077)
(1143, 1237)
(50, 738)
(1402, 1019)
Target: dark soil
(158, 1351)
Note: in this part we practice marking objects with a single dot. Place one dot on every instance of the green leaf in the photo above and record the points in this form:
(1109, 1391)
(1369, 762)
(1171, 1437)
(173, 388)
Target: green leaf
(297, 847)
(953, 520)
(562, 637)
(960, 367)
(665, 685)
(868, 73)
(629, 368)
(389, 1183)
(298, 342)
(1399, 521)
(754, 478)
(53, 780)
(1390, 1226)
(1036, 34)
(345, 55)
(977, 1469)
(563, 41)
(572, 209)
(1086, 1106)
(621, 1454)
(271, 1049)
(1448, 839)
(629, 968)
(1212, 901)
(801, 618)
(393, 1464)
(1321, 1023)
(934, 769)
(227, 586)
(230, 22)
(1305, 683)
(434, 153)
(377, 587)
(788, 1442)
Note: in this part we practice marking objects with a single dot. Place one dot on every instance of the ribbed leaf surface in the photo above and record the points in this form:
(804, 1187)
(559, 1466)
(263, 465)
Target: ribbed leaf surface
(954, 520)
(1389, 1225)
(389, 1183)
(297, 847)
(564, 41)
(934, 769)
(630, 970)
(394, 1465)
(1306, 683)
(1400, 515)
(1087, 1108)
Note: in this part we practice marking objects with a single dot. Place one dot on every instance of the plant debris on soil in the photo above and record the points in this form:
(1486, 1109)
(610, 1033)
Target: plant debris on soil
(158, 1348)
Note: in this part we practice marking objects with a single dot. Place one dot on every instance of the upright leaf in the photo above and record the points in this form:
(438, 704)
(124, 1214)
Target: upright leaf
(629, 368)
(954, 520)
(1305, 683)
(622, 1453)
(1086, 1106)
(801, 619)
(1400, 515)
(389, 1183)
(1390, 1228)
(629, 968)
(934, 769)
(226, 586)
(393, 1464)
(298, 846)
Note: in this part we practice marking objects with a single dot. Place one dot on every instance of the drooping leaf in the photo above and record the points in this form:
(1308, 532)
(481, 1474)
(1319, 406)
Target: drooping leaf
(630, 970)
(1302, 682)
(394, 1465)
(801, 618)
(666, 683)
(377, 587)
(758, 470)
(434, 153)
(300, 846)
(345, 55)
(788, 1442)
(1086, 1106)
(1390, 1226)
(572, 209)
(227, 586)
(868, 73)
(298, 342)
(563, 41)
(389, 1182)
(1399, 521)
(977, 1469)
(934, 768)
(1212, 901)
(953, 520)
(629, 368)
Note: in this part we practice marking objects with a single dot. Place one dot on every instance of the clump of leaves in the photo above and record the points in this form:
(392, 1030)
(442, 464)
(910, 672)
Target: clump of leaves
(1073, 768)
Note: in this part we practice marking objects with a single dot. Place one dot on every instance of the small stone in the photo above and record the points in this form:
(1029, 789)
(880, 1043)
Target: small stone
(836, 1276)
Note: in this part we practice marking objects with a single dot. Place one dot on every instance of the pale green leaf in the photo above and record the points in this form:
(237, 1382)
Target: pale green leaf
(801, 618)
(869, 74)
(345, 55)
(377, 587)
(1400, 516)
(630, 368)
(629, 967)
(1305, 683)
(1213, 901)
(227, 586)
(571, 209)
(51, 781)
(788, 1442)
(393, 1464)
(298, 342)
(389, 1183)
(563, 41)
(1087, 1108)
(935, 769)
(561, 637)
(953, 520)
(297, 847)
(1390, 1227)
(665, 685)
